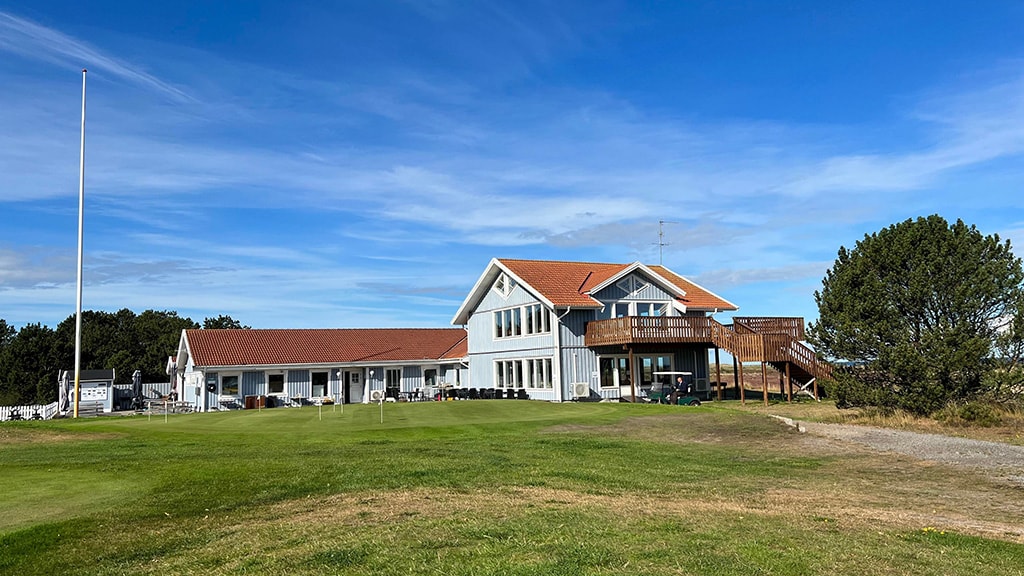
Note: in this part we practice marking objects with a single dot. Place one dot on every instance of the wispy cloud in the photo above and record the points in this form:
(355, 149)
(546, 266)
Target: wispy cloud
(36, 42)
(264, 189)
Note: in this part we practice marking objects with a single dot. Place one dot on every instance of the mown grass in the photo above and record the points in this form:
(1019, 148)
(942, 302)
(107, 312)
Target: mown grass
(488, 487)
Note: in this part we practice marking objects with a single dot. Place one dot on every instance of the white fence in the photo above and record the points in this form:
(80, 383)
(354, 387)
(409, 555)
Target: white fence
(30, 412)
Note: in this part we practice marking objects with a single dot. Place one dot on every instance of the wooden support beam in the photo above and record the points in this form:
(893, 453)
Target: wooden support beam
(764, 381)
(632, 377)
(738, 373)
(718, 375)
(789, 385)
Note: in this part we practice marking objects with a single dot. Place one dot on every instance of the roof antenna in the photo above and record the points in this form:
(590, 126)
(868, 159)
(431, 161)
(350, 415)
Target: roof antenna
(661, 240)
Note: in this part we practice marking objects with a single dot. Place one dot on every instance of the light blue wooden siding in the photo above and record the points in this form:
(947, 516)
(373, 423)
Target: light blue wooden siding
(578, 365)
(481, 366)
(253, 384)
(455, 373)
(212, 398)
(481, 324)
(577, 361)
(298, 384)
(375, 381)
(573, 327)
(651, 292)
(412, 378)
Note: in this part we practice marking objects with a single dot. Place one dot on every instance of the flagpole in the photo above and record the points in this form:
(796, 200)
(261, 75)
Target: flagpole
(78, 291)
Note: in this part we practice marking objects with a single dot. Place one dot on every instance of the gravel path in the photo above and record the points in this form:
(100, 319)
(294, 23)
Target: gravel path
(1005, 460)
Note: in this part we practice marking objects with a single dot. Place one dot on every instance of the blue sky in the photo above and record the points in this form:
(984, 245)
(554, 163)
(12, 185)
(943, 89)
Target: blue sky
(356, 164)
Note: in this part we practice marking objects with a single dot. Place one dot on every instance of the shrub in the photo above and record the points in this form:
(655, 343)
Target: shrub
(973, 413)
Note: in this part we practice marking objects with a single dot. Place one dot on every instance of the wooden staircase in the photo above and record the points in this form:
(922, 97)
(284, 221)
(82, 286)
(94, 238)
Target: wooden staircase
(774, 341)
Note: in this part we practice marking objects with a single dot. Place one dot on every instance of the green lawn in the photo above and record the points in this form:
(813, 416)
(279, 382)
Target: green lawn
(485, 487)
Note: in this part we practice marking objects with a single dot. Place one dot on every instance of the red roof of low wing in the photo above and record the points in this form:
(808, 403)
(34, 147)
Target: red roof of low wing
(324, 346)
(567, 283)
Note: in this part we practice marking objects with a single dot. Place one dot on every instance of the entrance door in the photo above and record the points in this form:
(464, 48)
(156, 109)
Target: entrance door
(353, 388)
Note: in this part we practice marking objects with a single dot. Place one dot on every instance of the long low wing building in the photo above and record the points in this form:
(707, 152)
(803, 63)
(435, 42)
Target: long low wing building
(234, 368)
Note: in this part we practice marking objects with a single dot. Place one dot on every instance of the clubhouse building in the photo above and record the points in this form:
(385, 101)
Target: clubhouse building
(546, 330)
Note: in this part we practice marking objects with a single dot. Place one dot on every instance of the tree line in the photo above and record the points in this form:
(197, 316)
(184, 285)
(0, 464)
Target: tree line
(32, 358)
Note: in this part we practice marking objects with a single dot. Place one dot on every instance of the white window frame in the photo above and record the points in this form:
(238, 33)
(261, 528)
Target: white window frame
(327, 385)
(284, 385)
(504, 285)
(238, 378)
(516, 322)
(632, 285)
(388, 372)
(533, 373)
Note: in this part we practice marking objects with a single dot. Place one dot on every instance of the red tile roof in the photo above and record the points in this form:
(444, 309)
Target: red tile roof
(567, 283)
(324, 346)
(563, 283)
(696, 296)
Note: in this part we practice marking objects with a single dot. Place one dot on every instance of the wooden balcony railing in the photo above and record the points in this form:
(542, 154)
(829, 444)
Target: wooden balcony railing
(793, 327)
(778, 342)
(651, 330)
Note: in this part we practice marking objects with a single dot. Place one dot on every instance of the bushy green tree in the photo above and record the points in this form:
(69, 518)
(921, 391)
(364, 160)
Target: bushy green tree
(7, 333)
(223, 321)
(28, 367)
(125, 342)
(918, 306)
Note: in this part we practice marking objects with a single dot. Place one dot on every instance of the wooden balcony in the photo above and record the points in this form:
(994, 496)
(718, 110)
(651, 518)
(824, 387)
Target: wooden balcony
(774, 341)
(652, 330)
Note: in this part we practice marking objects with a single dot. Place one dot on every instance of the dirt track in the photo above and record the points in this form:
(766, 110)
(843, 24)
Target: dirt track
(1002, 460)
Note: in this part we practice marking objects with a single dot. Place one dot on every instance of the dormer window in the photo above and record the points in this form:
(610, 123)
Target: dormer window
(504, 285)
(632, 285)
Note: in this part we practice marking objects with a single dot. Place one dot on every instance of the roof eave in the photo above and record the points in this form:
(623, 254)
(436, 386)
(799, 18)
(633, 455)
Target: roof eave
(484, 283)
(665, 283)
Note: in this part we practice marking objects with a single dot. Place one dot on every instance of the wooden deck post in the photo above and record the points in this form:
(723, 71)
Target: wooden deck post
(718, 375)
(738, 374)
(632, 377)
(789, 385)
(764, 381)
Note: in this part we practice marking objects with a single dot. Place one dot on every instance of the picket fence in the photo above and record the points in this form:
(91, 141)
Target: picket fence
(28, 412)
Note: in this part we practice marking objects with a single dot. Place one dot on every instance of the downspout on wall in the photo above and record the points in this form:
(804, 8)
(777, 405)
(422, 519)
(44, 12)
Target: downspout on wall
(556, 335)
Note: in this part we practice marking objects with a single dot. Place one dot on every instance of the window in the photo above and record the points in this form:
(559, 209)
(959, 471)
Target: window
(504, 285)
(522, 320)
(632, 285)
(523, 373)
(614, 371)
(229, 386)
(651, 309)
(393, 382)
(319, 384)
(651, 364)
(275, 384)
(621, 309)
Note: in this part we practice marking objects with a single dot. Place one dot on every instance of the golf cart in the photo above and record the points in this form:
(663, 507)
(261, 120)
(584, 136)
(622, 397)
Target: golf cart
(673, 388)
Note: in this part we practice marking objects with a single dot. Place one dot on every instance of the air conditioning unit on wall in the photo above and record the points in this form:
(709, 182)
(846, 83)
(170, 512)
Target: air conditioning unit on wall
(376, 395)
(580, 390)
